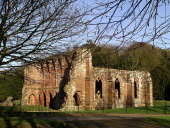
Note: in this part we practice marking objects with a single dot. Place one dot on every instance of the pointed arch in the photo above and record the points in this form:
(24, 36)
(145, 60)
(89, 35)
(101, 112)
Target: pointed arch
(76, 99)
(135, 89)
(99, 87)
(117, 86)
(32, 100)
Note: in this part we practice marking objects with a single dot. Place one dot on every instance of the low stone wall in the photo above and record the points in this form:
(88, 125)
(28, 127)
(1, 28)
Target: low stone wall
(7, 102)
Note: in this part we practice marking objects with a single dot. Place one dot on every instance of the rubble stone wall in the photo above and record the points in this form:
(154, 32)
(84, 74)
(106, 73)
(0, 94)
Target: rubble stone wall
(128, 80)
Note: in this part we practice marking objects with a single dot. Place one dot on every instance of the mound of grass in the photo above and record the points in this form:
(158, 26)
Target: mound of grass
(17, 102)
(161, 103)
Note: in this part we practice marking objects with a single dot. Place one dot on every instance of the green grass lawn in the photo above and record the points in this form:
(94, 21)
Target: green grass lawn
(161, 120)
(159, 107)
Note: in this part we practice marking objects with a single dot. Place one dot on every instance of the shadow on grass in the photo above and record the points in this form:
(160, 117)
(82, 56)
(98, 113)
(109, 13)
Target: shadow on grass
(111, 123)
(15, 122)
(18, 122)
(33, 114)
(17, 110)
(159, 110)
(147, 110)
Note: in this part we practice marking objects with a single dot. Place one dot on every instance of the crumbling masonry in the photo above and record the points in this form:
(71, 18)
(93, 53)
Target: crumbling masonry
(71, 83)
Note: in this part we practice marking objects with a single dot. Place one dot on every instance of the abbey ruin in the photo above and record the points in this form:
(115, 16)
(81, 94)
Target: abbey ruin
(71, 83)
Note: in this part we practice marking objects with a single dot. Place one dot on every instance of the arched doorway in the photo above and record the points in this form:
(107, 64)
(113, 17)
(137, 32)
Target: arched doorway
(117, 87)
(99, 87)
(32, 100)
(76, 99)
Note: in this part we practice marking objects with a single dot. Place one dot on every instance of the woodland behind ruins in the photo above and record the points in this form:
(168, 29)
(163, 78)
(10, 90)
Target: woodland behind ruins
(143, 57)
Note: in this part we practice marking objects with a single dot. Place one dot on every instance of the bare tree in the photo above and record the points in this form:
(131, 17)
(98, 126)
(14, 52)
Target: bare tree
(131, 20)
(30, 29)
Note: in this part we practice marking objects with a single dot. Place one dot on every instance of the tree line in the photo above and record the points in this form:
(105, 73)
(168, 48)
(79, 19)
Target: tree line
(137, 56)
(11, 84)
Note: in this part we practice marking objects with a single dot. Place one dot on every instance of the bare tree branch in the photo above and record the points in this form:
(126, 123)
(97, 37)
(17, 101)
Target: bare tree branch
(32, 28)
(130, 20)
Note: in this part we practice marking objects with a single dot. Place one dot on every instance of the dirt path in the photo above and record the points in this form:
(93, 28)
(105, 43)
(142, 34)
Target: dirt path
(76, 117)
(106, 120)
(112, 123)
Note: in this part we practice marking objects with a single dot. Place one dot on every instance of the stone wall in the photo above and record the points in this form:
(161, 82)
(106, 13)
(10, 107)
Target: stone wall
(81, 82)
(45, 81)
(71, 83)
(135, 87)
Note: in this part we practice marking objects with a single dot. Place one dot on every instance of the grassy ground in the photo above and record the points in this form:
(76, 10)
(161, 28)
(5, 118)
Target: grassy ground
(159, 107)
(165, 120)
(16, 122)
(26, 109)
(20, 122)
(111, 123)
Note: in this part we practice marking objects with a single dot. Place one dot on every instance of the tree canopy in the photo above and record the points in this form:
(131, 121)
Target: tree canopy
(11, 84)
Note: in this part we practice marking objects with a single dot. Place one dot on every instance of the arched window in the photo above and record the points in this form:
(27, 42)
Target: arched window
(99, 87)
(117, 86)
(76, 99)
(135, 89)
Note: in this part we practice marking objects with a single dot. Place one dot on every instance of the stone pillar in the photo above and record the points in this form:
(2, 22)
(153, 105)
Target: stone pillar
(87, 92)
(114, 96)
(110, 94)
(129, 95)
(41, 98)
(89, 87)
(48, 100)
(92, 93)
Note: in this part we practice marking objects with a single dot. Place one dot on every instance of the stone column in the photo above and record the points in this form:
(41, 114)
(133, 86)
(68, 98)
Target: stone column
(110, 94)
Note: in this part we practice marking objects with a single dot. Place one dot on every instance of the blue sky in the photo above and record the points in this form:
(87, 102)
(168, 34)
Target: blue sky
(163, 41)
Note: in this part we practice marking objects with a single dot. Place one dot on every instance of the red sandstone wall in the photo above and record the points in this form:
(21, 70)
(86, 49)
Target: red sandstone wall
(59, 82)
(46, 80)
